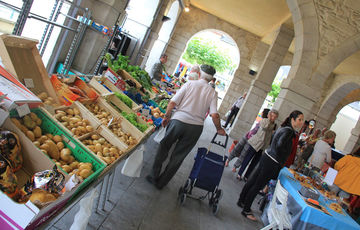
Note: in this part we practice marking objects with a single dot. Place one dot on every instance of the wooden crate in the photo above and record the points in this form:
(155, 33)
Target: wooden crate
(84, 113)
(126, 76)
(109, 137)
(106, 88)
(125, 124)
(21, 58)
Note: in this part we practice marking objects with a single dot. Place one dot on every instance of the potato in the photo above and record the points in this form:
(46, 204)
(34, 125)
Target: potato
(49, 135)
(72, 159)
(106, 150)
(113, 150)
(65, 154)
(67, 168)
(69, 111)
(101, 140)
(53, 150)
(60, 145)
(74, 165)
(44, 151)
(74, 119)
(42, 139)
(76, 111)
(85, 173)
(45, 147)
(107, 160)
(84, 165)
(95, 137)
(30, 135)
(57, 139)
(37, 144)
(23, 128)
(89, 128)
(16, 122)
(98, 148)
(38, 122)
(37, 131)
(60, 112)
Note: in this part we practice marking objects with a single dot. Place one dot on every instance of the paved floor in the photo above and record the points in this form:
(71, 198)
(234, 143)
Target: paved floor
(136, 204)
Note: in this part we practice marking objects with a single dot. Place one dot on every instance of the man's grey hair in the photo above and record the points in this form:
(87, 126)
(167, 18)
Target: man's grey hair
(195, 69)
(274, 111)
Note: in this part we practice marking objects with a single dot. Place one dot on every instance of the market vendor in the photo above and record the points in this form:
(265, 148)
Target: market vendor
(348, 177)
(185, 125)
(158, 69)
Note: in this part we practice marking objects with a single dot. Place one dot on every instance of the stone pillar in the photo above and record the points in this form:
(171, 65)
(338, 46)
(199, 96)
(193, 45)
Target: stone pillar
(354, 139)
(154, 33)
(261, 85)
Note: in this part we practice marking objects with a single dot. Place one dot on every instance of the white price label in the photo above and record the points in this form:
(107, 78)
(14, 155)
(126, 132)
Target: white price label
(3, 116)
(29, 83)
(23, 110)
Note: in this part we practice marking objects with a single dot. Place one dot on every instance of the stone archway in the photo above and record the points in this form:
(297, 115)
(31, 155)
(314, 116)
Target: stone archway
(345, 94)
(226, 46)
(198, 20)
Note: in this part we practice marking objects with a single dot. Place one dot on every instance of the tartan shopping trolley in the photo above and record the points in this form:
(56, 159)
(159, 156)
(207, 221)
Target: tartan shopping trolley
(206, 174)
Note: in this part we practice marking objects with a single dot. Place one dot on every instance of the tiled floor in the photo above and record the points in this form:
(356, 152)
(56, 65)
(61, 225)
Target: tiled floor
(136, 204)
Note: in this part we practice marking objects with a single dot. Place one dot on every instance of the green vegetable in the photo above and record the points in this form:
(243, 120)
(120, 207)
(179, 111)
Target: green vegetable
(163, 104)
(132, 118)
(124, 99)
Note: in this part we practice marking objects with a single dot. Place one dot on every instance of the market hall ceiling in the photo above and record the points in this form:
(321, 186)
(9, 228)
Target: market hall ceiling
(263, 17)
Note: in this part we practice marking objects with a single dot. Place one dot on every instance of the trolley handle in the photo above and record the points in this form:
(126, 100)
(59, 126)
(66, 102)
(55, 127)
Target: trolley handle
(219, 142)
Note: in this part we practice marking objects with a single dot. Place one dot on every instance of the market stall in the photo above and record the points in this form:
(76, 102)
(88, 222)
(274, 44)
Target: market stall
(66, 127)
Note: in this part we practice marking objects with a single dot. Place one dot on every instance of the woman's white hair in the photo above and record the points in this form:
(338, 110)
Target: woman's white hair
(195, 69)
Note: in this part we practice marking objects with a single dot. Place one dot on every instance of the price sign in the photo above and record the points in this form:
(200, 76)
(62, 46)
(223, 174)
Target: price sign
(23, 110)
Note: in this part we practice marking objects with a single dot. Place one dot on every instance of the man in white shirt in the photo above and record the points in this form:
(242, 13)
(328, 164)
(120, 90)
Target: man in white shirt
(192, 102)
(322, 150)
(235, 109)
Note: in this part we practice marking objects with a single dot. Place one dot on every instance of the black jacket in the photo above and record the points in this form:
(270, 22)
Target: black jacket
(281, 144)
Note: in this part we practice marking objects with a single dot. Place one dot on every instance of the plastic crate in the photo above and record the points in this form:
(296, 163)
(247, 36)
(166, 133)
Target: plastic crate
(49, 125)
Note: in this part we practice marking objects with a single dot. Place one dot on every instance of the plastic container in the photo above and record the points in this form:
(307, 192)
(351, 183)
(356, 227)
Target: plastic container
(81, 154)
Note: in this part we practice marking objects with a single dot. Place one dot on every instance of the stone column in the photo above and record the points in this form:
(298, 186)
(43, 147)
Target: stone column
(354, 139)
(261, 85)
(154, 33)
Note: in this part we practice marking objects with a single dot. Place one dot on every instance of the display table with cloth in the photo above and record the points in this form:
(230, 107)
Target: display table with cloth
(307, 217)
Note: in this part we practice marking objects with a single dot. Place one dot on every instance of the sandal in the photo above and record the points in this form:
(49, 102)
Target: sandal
(226, 163)
(249, 215)
(233, 170)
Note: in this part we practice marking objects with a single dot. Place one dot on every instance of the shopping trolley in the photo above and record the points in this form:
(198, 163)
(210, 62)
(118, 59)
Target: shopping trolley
(206, 174)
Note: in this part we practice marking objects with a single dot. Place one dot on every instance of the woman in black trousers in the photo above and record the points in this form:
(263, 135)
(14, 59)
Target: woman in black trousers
(271, 162)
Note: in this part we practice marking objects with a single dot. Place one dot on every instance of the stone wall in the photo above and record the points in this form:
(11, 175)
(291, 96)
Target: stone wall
(197, 20)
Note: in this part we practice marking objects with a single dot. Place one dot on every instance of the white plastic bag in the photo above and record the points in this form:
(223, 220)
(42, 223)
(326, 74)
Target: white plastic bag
(133, 163)
(227, 114)
(160, 135)
(81, 218)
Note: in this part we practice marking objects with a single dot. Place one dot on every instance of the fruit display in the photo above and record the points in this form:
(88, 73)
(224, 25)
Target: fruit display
(125, 137)
(72, 119)
(102, 148)
(104, 116)
(53, 146)
(156, 112)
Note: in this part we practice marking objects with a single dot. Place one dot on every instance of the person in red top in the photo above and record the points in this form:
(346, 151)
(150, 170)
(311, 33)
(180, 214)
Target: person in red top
(291, 158)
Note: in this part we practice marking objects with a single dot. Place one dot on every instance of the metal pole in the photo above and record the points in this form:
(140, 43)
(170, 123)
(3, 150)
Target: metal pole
(24, 13)
(51, 27)
(47, 25)
(100, 60)
(50, 22)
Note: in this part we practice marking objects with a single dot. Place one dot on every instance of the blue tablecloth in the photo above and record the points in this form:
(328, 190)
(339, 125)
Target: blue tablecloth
(307, 217)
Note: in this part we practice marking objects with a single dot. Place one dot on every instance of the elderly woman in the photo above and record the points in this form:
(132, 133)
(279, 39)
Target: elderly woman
(194, 73)
(258, 142)
(322, 150)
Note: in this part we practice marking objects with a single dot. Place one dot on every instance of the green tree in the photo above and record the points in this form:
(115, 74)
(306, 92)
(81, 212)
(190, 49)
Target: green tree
(201, 51)
(275, 90)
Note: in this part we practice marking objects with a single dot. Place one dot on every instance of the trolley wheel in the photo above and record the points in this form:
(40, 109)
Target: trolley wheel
(211, 200)
(181, 195)
(215, 208)
(187, 185)
(218, 195)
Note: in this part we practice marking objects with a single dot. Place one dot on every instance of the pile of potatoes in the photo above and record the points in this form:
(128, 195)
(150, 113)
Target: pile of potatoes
(46, 99)
(124, 137)
(103, 149)
(71, 119)
(54, 147)
(29, 125)
(101, 114)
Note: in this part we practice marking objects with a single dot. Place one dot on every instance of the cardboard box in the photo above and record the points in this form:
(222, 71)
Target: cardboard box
(20, 215)
(15, 93)
(21, 58)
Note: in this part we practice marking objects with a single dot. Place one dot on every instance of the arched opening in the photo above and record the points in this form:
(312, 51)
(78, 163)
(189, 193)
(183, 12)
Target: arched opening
(164, 36)
(212, 47)
(345, 121)
(282, 74)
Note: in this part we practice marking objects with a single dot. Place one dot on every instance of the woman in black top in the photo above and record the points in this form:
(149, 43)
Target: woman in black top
(271, 161)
